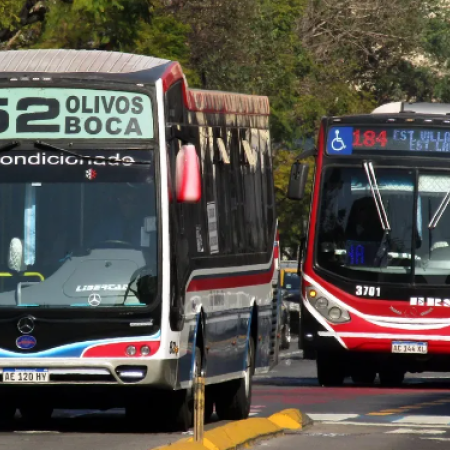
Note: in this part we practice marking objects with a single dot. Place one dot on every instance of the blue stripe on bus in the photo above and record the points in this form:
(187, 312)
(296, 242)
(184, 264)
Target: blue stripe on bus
(74, 350)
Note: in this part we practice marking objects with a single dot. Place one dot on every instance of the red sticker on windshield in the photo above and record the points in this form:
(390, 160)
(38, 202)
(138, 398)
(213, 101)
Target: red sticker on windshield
(91, 174)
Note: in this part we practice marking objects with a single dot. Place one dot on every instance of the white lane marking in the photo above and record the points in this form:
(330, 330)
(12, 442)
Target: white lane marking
(326, 434)
(381, 424)
(415, 431)
(424, 420)
(331, 417)
(36, 432)
(253, 414)
(435, 439)
(425, 376)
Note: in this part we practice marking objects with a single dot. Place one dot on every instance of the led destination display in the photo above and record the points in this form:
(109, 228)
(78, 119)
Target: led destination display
(348, 140)
(52, 113)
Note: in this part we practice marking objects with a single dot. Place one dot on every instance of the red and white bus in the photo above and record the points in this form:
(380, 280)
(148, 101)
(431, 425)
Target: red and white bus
(376, 261)
(137, 228)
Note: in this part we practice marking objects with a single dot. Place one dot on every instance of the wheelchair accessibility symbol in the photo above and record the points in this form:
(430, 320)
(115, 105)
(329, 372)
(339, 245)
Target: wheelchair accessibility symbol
(340, 141)
(337, 144)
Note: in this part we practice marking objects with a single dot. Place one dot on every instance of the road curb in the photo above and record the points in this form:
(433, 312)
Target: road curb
(235, 435)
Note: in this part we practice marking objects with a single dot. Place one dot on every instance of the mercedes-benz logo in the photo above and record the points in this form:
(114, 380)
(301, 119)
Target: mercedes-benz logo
(94, 299)
(25, 325)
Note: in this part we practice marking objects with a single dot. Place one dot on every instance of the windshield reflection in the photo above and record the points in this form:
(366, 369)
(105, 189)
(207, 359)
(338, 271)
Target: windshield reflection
(351, 239)
(79, 244)
(352, 242)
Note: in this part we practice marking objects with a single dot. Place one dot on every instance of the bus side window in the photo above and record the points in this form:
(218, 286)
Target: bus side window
(223, 183)
(174, 103)
(268, 188)
(252, 210)
(237, 192)
(259, 199)
(210, 193)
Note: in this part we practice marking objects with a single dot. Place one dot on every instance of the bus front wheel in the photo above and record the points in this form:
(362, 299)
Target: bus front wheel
(329, 370)
(36, 414)
(234, 397)
(182, 412)
(391, 377)
(364, 376)
(7, 413)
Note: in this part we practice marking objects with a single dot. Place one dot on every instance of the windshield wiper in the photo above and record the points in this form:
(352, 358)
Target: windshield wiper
(439, 212)
(136, 277)
(47, 146)
(383, 250)
(372, 179)
(9, 146)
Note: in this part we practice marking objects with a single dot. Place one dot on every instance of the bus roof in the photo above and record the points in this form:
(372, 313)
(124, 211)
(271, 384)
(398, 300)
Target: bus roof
(418, 108)
(127, 67)
(69, 61)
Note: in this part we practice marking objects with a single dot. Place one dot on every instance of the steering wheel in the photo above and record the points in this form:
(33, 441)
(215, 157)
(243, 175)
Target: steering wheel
(115, 242)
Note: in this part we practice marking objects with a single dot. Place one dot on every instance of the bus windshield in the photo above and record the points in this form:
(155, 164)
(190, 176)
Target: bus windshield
(81, 235)
(352, 237)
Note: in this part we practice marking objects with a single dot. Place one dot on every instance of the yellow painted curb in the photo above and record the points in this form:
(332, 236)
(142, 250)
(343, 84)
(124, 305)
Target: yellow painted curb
(235, 435)
(289, 419)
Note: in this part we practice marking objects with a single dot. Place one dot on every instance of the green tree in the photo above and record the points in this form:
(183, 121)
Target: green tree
(311, 57)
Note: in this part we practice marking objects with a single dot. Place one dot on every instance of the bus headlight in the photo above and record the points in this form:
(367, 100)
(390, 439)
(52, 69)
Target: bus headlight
(131, 350)
(327, 308)
(334, 313)
(321, 303)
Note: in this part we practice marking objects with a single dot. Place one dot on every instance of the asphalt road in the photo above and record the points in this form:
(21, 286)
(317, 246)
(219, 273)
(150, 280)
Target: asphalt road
(369, 417)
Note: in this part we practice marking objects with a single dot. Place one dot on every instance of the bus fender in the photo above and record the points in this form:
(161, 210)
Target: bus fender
(254, 312)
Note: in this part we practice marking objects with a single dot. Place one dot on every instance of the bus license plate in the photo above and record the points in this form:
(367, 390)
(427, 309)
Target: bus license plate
(410, 347)
(26, 376)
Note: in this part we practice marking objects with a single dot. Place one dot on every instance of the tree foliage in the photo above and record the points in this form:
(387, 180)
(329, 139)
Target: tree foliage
(311, 57)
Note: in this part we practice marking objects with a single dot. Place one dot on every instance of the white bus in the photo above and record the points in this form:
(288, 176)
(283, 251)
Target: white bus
(137, 222)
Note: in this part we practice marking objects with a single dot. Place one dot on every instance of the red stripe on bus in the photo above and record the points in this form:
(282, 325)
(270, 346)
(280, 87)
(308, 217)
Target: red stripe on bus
(229, 282)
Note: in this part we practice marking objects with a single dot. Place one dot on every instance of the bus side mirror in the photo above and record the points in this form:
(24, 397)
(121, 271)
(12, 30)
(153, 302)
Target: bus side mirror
(188, 177)
(297, 181)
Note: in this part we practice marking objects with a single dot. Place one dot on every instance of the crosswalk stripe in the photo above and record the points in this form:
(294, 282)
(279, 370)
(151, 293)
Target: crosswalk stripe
(415, 431)
(384, 419)
(332, 417)
(425, 420)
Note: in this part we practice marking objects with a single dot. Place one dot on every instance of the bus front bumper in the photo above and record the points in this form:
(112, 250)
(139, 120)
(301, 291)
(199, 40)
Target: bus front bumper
(157, 373)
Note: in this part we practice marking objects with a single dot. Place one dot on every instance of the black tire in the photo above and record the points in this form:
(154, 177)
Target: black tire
(391, 377)
(181, 414)
(329, 371)
(36, 414)
(209, 403)
(364, 377)
(7, 413)
(234, 397)
(178, 413)
(143, 417)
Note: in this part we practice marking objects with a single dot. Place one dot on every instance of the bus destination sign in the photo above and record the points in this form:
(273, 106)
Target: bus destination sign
(57, 113)
(349, 140)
